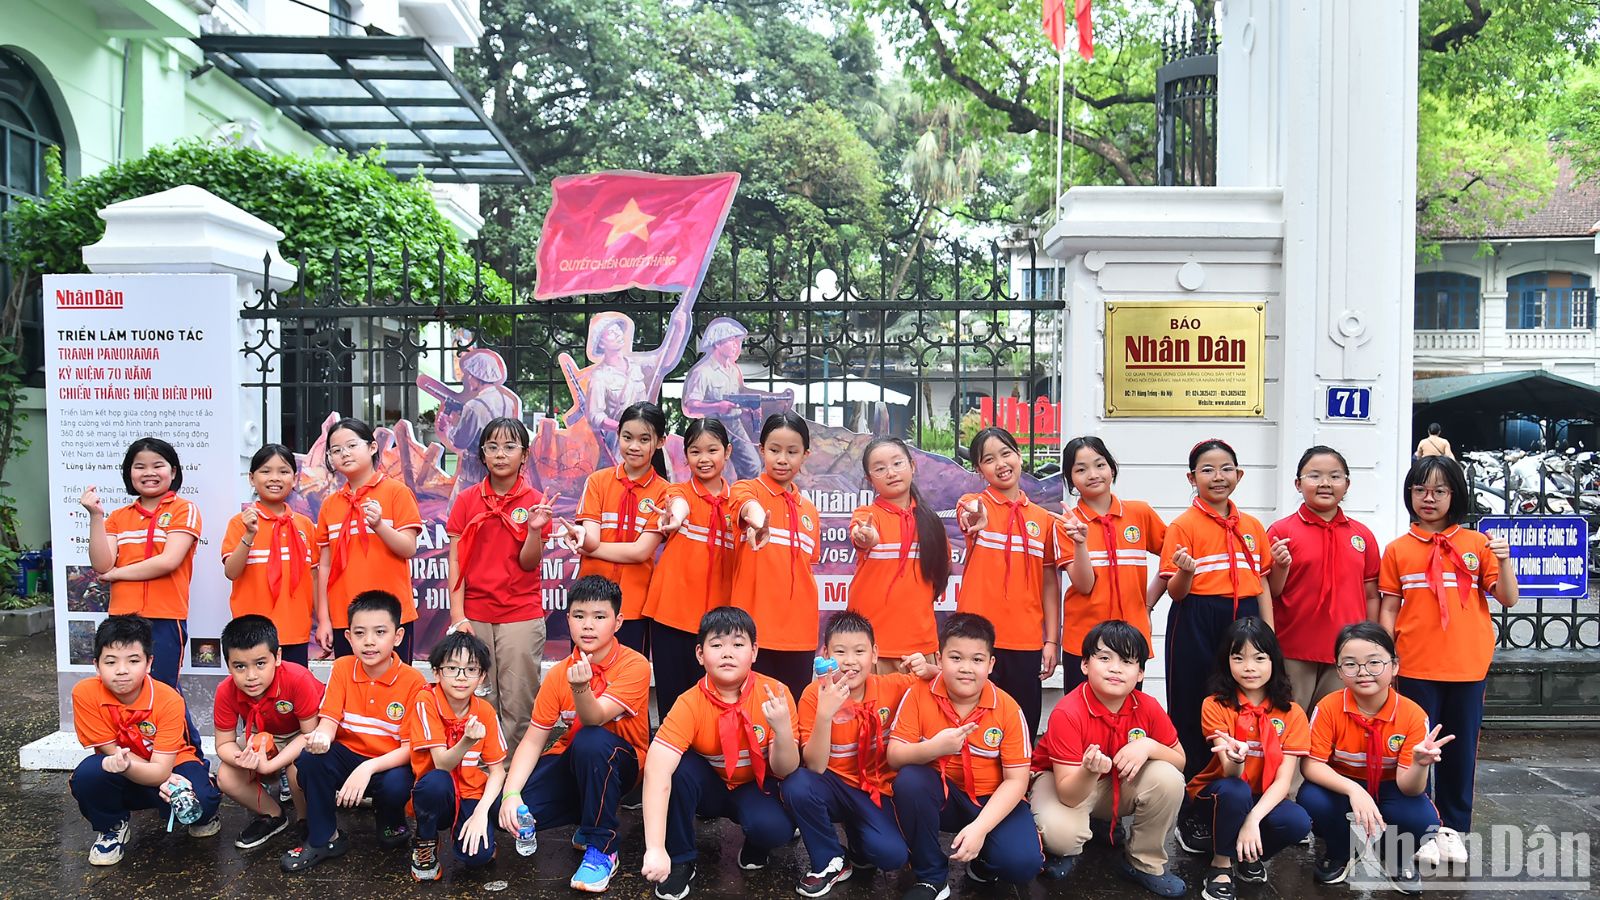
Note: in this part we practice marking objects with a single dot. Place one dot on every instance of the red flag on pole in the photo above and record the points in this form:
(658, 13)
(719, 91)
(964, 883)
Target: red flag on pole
(1085, 31)
(1055, 23)
(609, 231)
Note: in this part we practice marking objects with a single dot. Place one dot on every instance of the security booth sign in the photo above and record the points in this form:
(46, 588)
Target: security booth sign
(1172, 360)
(1550, 552)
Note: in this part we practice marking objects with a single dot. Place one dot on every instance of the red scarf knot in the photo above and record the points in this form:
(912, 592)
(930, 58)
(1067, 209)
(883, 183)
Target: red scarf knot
(496, 508)
(126, 722)
(628, 506)
(291, 544)
(968, 779)
(354, 524)
(1443, 550)
(1016, 525)
(1231, 533)
(793, 508)
(716, 553)
(150, 538)
(1330, 554)
(733, 727)
(1119, 739)
(1266, 733)
(908, 532)
(598, 680)
(1108, 530)
(872, 768)
(1373, 726)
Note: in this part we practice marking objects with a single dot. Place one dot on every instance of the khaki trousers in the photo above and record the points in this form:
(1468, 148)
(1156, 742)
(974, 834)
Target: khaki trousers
(515, 651)
(1311, 681)
(1151, 800)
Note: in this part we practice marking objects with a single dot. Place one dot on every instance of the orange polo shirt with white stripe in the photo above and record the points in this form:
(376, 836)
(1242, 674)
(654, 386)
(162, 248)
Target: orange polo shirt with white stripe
(775, 584)
(1121, 572)
(1340, 741)
(602, 499)
(882, 695)
(1427, 647)
(892, 593)
(692, 725)
(371, 712)
(167, 596)
(999, 742)
(1010, 597)
(1294, 737)
(164, 725)
(430, 725)
(627, 683)
(291, 609)
(694, 573)
(1208, 543)
(370, 565)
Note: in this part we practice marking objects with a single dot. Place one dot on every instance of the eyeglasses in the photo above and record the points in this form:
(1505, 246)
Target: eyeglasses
(350, 448)
(460, 671)
(1319, 478)
(1351, 669)
(898, 466)
(1438, 493)
(1211, 471)
(497, 449)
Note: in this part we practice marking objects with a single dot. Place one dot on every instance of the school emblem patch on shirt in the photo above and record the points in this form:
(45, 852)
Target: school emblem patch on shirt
(1471, 559)
(805, 521)
(1396, 741)
(1135, 733)
(883, 715)
(147, 728)
(1131, 534)
(1359, 543)
(761, 734)
(1277, 725)
(519, 515)
(1250, 542)
(991, 737)
(1033, 529)
(164, 520)
(283, 707)
(395, 711)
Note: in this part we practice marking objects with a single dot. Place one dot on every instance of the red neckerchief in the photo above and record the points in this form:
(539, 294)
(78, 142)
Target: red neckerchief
(1441, 551)
(1015, 522)
(733, 724)
(1330, 553)
(597, 680)
(869, 745)
(150, 538)
(1119, 739)
(495, 507)
(1108, 529)
(126, 722)
(628, 506)
(355, 522)
(715, 553)
(1230, 533)
(788, 493)
(1373, 726)
(908, 529)
(1271, 746)
(968, 780)
(454, 731)
(292, 543)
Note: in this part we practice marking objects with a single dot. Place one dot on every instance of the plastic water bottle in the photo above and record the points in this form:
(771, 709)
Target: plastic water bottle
(824, 665)
(185, 805)
(527, 832)
(284, 792)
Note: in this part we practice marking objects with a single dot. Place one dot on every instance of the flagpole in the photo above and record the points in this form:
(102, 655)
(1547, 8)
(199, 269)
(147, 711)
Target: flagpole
(1061, 76)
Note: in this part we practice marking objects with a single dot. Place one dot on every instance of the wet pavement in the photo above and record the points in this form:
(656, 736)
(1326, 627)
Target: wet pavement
(1525, 780)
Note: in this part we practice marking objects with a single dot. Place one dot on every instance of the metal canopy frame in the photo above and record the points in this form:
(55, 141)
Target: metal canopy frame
(357, 93)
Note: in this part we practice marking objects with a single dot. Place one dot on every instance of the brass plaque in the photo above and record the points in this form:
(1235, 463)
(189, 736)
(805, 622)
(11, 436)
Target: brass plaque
(1181, 359)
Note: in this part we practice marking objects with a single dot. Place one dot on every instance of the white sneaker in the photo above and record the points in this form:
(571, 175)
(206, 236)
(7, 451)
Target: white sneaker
(1429, 854)
(107, 849)
(1451, 846)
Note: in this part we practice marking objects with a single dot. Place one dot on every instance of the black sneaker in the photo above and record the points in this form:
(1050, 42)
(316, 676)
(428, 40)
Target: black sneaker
(925, 891)
(392, 836)
(1057, 868)
(633, 799)
(751, 859)
(978, 872)
(1215, 887)
(260, 830)
(676, 887)
(1250, 871)
(1194, 835)
(1403, 875)
(815, 884)
(1328, 871)
(425, 859)
(860, 868)
(304, 857)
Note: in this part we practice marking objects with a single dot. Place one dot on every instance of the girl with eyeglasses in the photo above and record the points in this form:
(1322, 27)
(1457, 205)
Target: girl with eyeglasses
(1435, 582)
(366, 535)
(1324, 574)
(902, 556)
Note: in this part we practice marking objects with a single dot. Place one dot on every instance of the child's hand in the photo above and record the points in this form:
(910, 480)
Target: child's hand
(355, 787)
(832, 692)
(1229, 746)
(1074, 528)
(1499, 546)
(948, 742)
(569, 536)
(91, 502)
(775, 709)
(474, 731)
(372, 512)
(317, 742)
(582, 671)
(1049, 658)
(1183, 560)
(972, 516)
(756, 531)
(968, 843)
(1131, 758)
(1248, 846)
(508, 815)
(173, 782)
(1281, 557)
(917, 664)
(474, 834)
(118, 762)
(251, 520)
(677, 513)
(1366, 812)
(1428, 750)
(324, 635)
(110, 575)
(1096, 761)
(542, 513)
(657, 865)
(863, 535)
(248, 759)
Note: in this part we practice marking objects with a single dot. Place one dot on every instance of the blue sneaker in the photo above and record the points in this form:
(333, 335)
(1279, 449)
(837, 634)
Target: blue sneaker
(1164, 885)
(594, 873)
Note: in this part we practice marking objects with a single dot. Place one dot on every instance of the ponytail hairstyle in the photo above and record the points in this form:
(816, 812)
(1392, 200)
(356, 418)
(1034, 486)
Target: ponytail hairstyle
(787, 419)
(360, 429)
(708, 425)
(932, 542)
(651, 415)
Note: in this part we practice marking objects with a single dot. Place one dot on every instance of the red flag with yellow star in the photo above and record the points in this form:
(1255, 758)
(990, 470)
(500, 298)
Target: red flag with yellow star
(609, 231)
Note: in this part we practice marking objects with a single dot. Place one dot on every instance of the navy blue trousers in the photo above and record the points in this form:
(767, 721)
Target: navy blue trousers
(792, 667)
(926, 803)
(698, 790)
(1017, 673)
(1195, 626)
(434, 799)
(819, 802)
(1458, 706)
(582, 785)
(296, 653)
(321, 776)
(169, 637)
(674, 664)
(635, 635)
(106, 798)
(1409, 815)
(1229, 800)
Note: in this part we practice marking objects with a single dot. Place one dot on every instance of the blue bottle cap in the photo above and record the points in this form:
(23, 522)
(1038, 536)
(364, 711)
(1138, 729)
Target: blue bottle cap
(823, 665)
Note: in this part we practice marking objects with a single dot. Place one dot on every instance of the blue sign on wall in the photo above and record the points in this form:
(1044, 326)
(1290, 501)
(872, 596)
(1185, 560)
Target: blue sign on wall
(1349, 403)
(1550, 552)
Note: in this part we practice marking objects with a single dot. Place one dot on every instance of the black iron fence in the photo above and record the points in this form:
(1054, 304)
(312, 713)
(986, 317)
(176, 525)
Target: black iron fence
(1186, 103)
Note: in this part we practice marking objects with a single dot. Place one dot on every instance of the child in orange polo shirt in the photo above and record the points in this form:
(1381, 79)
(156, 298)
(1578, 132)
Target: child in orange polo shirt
(1010, 576)
(695, 571)
(1102, 536)
(719, 753)
(960, 747)
(617, 523)
(844, 775)
(366, 535)
(1435, 583)
(772, 577)
(902, 555)
(1110, 751)
(1371, 752)
(275, 579)
(136, 727)
(260, 718)
(498, 528)
(1258, 737)
(600, 694)
(458, 757)
(362, 746)
(145, 551)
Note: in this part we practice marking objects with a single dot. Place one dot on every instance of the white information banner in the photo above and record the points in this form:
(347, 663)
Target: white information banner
(126, 357)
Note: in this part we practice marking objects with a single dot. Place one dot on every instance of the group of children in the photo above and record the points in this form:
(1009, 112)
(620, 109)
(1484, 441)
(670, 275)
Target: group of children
(916, 728)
